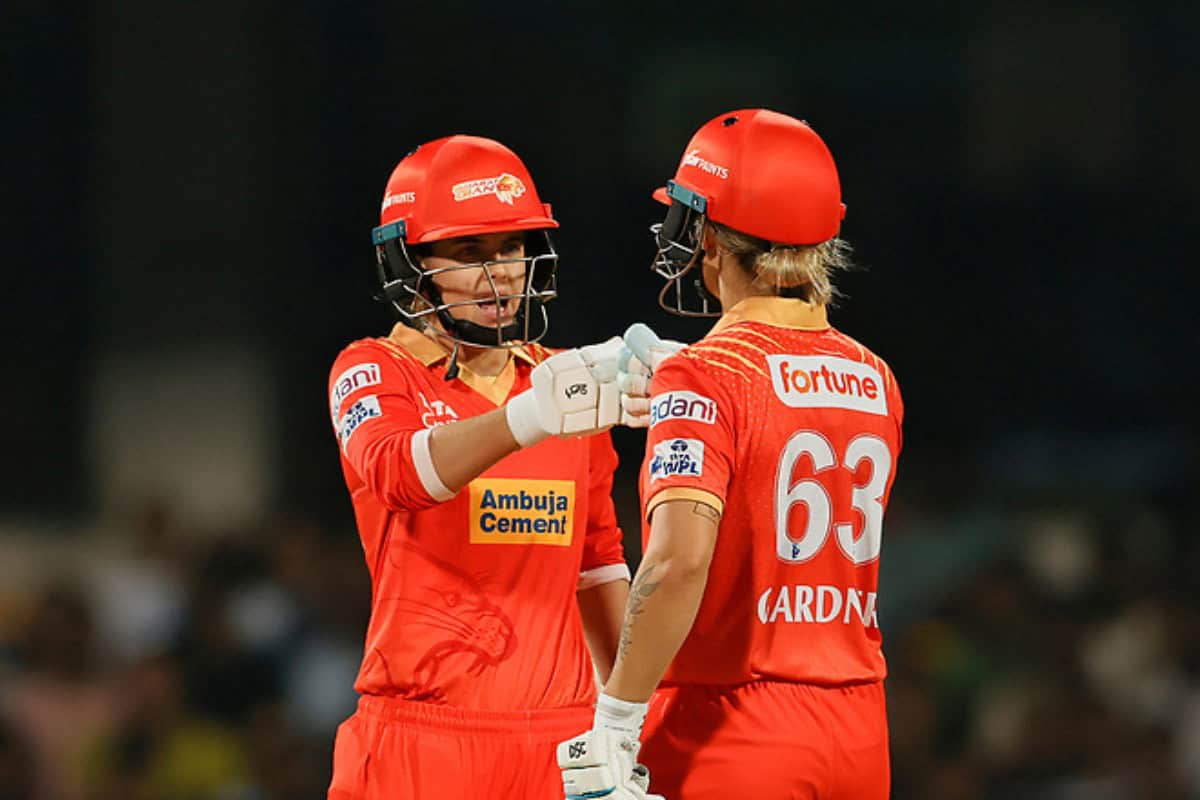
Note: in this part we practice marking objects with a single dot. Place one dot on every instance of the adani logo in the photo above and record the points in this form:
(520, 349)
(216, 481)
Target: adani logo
(682, 405)
(827, 382)
(350, 381)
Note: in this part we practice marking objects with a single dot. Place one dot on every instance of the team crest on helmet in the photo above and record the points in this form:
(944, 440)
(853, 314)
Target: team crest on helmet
(504, 186)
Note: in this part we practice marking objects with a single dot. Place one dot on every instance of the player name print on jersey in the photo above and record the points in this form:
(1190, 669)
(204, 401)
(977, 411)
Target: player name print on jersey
(817, 604)
(827, 382)
(677, 457)
(682, 405)
(510, 511)
(350, 381)
(357, 414)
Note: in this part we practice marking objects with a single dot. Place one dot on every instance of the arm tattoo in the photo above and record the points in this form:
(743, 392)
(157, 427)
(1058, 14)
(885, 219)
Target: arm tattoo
(643, 586)
(708, 512)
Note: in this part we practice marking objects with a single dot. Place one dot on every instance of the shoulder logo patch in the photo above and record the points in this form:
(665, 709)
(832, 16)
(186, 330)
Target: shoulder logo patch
(364, 409)
(682, 405)
(350, 381)
(677, 458)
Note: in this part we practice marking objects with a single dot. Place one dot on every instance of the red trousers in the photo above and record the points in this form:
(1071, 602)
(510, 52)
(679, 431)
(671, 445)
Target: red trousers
(768, 741)
(400, 750)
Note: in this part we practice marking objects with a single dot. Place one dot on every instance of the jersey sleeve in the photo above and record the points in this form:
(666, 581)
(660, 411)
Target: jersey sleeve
(899, 415)
(603, 551)
(690, 443)
(377, 422)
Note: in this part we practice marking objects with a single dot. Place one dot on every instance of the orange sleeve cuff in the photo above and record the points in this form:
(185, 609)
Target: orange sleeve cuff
(684, 493)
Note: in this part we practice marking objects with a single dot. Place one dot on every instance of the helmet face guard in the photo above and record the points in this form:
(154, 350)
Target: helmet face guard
(411, 290)
(679, 242)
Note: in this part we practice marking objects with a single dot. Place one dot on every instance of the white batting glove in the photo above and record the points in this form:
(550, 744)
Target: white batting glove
(602, 762)
(642, 354)
(574, 393)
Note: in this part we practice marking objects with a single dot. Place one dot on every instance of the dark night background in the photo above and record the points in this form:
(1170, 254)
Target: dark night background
(190, 189)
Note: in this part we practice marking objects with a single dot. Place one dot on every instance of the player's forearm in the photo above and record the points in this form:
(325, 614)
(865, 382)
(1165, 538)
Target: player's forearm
(665, 596)
(662, 606)
(602, 609)
(462, 450)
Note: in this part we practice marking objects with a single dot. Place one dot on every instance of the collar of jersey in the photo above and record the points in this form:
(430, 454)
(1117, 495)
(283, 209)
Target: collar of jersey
(781, 312)
(429, 352)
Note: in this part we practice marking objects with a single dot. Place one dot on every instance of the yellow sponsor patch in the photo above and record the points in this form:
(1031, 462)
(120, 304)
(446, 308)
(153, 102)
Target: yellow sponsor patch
(511, 511)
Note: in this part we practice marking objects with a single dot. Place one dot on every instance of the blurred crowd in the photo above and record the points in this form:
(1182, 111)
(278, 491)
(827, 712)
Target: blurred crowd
(1065, 667)
(173, 664)
(182, 666)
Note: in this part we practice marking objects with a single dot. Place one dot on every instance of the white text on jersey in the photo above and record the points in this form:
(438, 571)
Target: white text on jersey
(827, 382)
(364, 409)
(817, 604)
(677, 458)
(682, 405)
(354, 378)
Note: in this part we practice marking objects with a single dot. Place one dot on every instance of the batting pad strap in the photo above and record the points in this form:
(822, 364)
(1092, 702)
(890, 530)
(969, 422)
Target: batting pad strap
(601, 575)
(423, 461)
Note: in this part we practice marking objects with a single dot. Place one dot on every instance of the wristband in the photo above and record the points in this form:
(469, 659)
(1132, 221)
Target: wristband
(521, 414)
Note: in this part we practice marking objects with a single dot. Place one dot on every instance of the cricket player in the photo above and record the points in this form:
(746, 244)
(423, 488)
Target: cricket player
(481, 496)
(771, 453)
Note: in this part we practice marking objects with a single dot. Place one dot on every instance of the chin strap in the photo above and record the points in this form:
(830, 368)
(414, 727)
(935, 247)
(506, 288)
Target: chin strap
(452, 365)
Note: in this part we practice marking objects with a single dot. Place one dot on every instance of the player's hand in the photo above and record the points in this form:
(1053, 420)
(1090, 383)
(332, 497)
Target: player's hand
(642, 354)
(602, 762)
(574, 393)
(599, 763)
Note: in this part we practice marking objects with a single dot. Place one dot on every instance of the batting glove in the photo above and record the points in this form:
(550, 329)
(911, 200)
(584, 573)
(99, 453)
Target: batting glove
(642, 354)
(574, 393)
(602, 763)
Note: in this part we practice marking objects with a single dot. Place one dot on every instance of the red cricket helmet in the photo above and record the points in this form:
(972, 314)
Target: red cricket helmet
(463, 186)
(757, 171)
(460, 186)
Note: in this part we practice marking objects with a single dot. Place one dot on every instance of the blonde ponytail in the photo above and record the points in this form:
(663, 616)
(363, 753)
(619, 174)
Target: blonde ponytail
(793, 270)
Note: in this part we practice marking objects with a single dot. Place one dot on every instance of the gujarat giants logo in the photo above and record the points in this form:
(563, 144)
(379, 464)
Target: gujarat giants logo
(504, 186)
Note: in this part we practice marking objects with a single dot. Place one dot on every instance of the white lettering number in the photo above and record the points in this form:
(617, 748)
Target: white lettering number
(809, 492)
(866, 499)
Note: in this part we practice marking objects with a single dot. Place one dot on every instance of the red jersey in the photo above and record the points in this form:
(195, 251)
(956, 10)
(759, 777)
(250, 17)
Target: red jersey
(473, 595)
(792, 429)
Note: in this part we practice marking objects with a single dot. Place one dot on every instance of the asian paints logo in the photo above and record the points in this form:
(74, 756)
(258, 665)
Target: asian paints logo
(682, 405)
(505, 187)
(827, 382)
(693, 159)
(399, 198)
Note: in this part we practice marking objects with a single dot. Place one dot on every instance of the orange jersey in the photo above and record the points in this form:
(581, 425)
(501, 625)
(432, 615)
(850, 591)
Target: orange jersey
(473, 596)
(792, 429)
